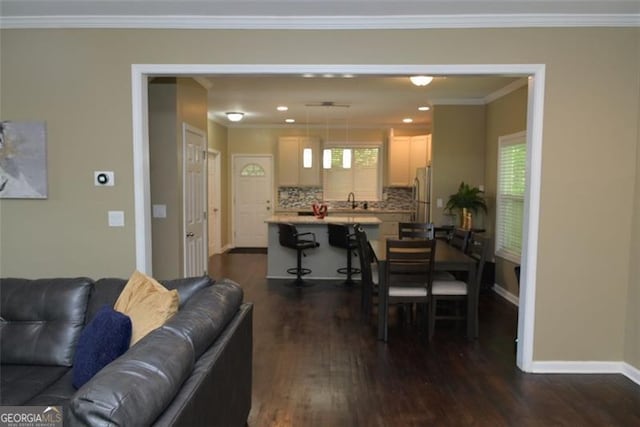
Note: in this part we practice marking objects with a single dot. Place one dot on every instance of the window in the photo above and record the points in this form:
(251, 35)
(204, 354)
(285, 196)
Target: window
(512, 162)
(352, 169)
(252, 169)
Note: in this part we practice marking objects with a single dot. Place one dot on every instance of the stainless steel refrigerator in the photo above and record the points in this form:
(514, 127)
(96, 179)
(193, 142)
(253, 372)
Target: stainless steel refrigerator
(422, 195)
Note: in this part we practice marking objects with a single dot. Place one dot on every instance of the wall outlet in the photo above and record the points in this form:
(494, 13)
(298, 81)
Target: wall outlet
(439, 202)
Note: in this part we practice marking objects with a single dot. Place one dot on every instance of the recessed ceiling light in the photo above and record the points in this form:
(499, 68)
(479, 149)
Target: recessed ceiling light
(282, 108)
(421, 80)
(328, 76)
(348, 76)
(407, 120)
(424, 108)
(290, 120)
(308, 75)
(234, 116)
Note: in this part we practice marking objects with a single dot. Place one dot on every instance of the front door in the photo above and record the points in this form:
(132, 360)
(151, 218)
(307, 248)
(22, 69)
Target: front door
(195, 198)
(253, 185)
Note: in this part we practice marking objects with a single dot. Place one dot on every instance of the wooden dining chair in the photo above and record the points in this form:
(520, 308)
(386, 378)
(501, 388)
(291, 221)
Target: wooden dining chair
(408, 275)
(459, 239)
(368, 270)
(458, 290)
(415, 230)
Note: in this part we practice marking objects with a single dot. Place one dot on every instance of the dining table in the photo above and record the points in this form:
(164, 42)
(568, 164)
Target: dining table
(447, 258)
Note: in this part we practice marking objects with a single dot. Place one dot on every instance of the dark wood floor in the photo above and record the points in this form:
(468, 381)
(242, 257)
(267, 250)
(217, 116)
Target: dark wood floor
(317, 363)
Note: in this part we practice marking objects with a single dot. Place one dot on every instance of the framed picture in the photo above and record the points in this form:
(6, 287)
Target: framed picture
(23, 160)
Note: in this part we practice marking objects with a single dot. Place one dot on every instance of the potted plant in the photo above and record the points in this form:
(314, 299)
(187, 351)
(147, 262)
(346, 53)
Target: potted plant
(467, 200)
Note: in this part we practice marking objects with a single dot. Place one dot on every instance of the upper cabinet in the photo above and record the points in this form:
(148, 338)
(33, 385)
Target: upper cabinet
(406, 154)
(299, 161)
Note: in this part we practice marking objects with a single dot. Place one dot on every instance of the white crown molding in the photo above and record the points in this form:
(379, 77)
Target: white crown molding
(322, 22)
(456, 101)
(506, 90)
(586, 367)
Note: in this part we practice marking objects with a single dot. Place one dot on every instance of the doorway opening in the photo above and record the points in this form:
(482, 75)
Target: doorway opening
(535, 72)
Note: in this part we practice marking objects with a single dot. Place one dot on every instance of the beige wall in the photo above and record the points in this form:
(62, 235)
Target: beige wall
(632, 337)
(505, 116)
(79, 81)
(458, 152)
(172, 102)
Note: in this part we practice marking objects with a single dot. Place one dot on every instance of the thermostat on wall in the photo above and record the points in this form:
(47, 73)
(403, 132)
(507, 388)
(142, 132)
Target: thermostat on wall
(104, 178)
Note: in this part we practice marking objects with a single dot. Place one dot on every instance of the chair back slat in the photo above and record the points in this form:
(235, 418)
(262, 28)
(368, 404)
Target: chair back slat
(410, 261)
(364, 253)
(478, 248)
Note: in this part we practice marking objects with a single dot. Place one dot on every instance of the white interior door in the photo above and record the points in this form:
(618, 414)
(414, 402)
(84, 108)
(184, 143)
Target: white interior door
(214, 201)
(252, 192)
(194, 200)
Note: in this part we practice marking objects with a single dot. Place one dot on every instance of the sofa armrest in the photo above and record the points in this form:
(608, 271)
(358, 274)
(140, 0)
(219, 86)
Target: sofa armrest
(218, 393)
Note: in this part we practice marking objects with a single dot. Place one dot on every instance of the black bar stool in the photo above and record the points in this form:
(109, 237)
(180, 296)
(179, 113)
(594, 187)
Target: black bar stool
(340, 237)
(290, 238)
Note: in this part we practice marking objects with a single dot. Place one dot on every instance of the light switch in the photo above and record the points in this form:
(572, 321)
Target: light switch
(159, 211)
(116, 218)
(481, 187)
(439, 202)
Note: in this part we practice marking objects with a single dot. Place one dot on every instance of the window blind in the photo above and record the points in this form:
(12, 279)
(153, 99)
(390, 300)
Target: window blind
(512, 163)
(352, 169)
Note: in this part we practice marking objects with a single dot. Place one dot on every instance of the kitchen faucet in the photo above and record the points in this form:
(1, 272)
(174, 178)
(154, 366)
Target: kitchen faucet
(352, 198)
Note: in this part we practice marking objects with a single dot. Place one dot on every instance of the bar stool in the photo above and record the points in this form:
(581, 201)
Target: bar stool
(340, 237)
(290, 238)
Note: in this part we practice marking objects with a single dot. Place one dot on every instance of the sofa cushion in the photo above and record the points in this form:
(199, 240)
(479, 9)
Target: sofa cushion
(21, 383)
(204, 317)
(106, 291)
(41, 320)
(138, 385)
(57, 394)
(102, 341)
(147, 303)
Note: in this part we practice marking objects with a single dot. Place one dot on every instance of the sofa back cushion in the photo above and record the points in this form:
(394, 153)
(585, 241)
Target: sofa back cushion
(204, 317)
(41, 320)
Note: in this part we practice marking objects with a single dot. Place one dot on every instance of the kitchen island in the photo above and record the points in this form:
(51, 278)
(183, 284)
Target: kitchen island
(324, 260)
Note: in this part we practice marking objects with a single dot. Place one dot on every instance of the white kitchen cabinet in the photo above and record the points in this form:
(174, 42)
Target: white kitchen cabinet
(292, 170)
(406, 154)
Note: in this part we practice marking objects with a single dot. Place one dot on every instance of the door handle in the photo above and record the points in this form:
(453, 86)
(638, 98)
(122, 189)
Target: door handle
(190, 234)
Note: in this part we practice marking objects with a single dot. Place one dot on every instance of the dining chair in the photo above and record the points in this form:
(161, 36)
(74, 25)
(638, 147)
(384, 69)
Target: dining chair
(459, 239)
(368, 270)
(458, 290)
(409, 269)
(415, 230)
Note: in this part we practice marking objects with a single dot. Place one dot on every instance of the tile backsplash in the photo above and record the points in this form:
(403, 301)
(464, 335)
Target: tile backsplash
(393, 198)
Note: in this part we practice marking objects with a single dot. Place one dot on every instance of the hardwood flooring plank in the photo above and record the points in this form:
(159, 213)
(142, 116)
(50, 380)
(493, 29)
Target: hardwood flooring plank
(317, 362)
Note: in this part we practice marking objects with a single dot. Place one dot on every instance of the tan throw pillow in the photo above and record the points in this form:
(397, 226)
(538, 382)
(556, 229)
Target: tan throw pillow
(147, 303)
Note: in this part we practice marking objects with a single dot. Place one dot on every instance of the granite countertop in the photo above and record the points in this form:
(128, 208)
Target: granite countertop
(331, 219)
(346, 211)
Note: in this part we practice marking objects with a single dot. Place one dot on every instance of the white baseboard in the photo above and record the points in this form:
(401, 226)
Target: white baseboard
(506, 294)
(586, 367)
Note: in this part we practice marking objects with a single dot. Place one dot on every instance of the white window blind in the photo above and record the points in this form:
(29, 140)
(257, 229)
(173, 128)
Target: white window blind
(352, 169)
(512, 163)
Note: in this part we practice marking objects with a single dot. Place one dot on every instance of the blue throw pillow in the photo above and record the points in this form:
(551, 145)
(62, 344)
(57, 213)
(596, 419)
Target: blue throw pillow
(102, 341)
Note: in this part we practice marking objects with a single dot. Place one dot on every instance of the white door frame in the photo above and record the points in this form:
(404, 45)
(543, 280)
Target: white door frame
(233, 186)
(535, 112)
(214, 156)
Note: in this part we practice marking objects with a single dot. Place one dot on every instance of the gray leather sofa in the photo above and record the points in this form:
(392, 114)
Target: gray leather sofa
(193, 371)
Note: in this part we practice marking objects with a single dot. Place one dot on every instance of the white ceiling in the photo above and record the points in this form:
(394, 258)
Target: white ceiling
(373, 101)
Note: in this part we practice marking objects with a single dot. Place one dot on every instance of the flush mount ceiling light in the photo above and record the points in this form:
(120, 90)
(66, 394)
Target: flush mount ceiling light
(407, 120)
(424, 108)
(421, 80)
(234, 116)
(282, 108)
(290, 120)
